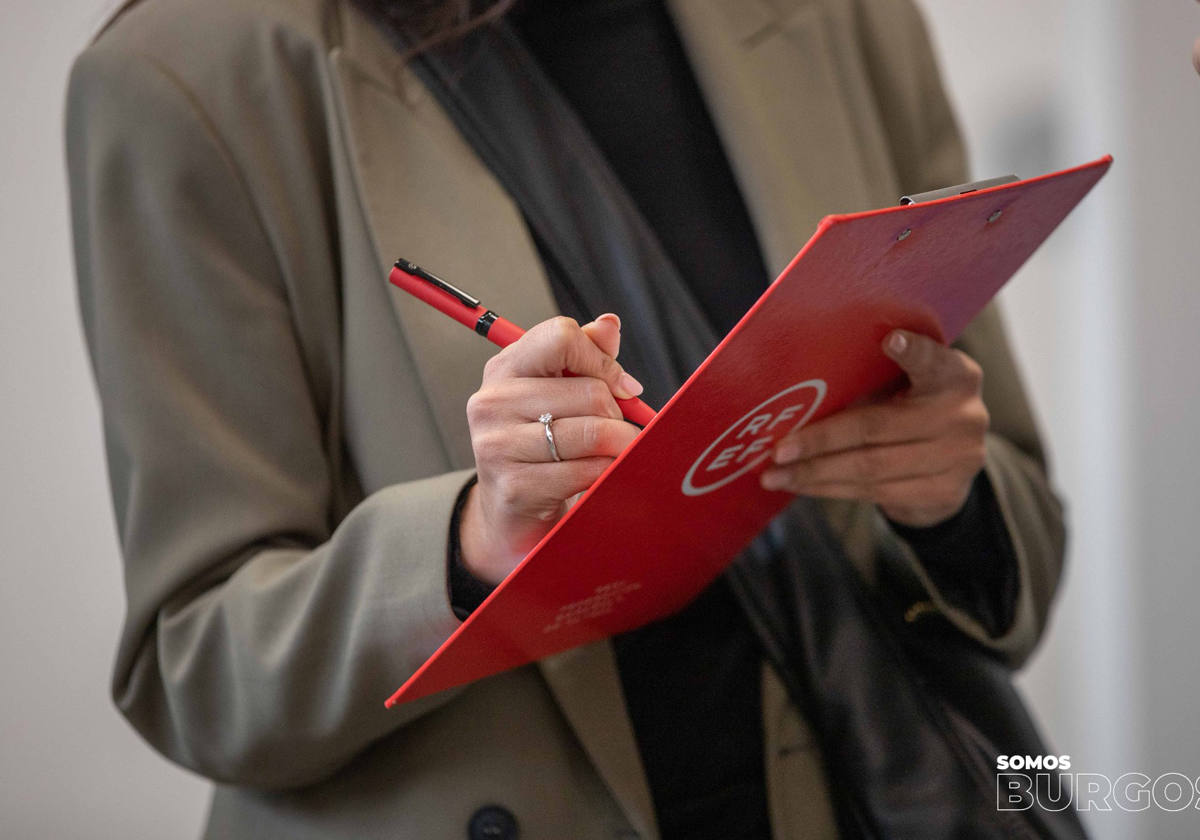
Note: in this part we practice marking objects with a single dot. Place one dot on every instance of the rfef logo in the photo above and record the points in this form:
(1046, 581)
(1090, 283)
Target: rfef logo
(748, 442)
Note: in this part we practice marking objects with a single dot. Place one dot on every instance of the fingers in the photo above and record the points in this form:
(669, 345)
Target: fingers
(917, 502)
(871, 466)
(574, 438)
(587, 421)
(897, 421)
(538, 492)
(511, 401)
(915, 484)
(605, 333)
(875, 424)
(558, 345)
(930, 365)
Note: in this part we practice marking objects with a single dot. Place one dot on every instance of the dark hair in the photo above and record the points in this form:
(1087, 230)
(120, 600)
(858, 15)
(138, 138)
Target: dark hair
(434, 23)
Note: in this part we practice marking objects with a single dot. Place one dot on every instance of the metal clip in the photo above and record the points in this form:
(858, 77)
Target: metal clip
(961, 189)
(416, 271)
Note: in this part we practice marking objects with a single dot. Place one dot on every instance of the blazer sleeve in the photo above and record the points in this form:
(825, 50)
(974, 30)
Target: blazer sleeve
(928, 153)
(262, 634)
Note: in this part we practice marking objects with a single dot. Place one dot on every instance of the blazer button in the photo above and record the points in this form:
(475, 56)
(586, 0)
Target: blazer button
(493, 822)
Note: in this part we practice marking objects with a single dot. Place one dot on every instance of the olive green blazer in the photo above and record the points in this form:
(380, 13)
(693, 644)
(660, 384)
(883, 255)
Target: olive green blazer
(286, 433)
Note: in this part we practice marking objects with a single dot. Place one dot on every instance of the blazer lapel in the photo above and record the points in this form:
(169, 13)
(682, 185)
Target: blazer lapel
(795, 115)
(427, 197)
(587, 687)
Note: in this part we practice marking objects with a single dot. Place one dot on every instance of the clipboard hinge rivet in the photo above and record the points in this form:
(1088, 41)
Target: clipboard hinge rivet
(904, 234)
(995, 216)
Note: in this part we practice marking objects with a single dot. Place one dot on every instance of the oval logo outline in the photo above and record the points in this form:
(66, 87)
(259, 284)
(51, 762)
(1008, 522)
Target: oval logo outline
(689, 489)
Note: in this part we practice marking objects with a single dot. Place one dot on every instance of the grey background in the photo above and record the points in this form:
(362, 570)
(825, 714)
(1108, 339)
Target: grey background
(1104, 320)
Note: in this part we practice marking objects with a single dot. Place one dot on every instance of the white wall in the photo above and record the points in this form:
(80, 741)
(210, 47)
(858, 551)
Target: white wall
(1104, 319)
(70, 767)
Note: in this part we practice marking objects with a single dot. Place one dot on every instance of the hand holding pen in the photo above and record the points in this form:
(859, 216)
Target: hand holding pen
(468, 311)
(539, 437)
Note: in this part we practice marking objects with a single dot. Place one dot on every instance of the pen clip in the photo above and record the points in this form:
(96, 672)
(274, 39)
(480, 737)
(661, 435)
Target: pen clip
(416, 271)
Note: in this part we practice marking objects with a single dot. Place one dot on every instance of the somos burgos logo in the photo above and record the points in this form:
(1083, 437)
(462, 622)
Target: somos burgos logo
(748, 442)
(1025, 780)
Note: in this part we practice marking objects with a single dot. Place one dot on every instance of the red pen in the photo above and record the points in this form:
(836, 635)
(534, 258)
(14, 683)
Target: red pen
(468, 311)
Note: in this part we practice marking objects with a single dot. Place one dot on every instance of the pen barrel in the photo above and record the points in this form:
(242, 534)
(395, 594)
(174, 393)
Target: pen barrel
(500, 331)
(636, 411)
(504, 332)
(435, 297)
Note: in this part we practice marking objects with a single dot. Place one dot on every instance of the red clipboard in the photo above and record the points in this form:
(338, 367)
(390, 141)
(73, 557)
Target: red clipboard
(680, 502)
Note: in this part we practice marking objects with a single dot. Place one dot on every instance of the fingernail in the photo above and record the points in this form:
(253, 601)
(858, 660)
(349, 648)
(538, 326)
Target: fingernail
(897, 343)
(772, 480)
(629, 385)
(609, 316)
(787, 451)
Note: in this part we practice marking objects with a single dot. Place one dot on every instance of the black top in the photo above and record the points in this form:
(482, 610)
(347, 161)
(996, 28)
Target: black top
(692, 681)
(622, 67)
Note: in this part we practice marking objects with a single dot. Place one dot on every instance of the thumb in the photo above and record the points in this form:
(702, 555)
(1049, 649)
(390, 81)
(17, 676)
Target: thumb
(919, 356)
(605, 333)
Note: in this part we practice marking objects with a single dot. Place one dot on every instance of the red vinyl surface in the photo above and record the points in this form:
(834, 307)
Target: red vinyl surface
(672, 511)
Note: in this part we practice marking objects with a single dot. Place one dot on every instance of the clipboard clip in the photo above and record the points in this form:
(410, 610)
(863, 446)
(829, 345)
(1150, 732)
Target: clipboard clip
(961, 189)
